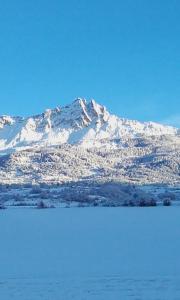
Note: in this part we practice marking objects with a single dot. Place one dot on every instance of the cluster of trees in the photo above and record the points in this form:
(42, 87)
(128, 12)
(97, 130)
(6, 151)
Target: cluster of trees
(2, 206)
(84, 193)
(41, 205)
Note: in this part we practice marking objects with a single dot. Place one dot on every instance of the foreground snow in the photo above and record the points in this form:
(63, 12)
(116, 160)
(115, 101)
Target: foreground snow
(90, 253)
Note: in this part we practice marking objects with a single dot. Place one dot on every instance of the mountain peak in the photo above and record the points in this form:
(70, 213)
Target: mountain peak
(83, 112)
(80, 101)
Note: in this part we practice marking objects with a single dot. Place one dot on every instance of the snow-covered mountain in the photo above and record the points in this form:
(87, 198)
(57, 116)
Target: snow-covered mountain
(83, 123)
(83, 153)
(81, 147)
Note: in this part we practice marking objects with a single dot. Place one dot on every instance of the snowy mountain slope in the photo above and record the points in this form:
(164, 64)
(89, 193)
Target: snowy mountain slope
(85, 123)
(141, 161)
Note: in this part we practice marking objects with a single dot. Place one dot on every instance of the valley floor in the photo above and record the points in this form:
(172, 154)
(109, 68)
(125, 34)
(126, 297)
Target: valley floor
(90, 253)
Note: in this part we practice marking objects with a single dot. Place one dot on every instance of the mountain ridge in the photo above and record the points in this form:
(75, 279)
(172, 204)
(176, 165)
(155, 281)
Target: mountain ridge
(86, 123)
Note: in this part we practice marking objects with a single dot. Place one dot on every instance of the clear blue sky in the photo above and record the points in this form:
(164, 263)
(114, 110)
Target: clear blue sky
(125, 54)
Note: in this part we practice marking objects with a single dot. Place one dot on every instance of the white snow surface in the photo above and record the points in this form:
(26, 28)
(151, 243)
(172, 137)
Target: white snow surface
(81, 122)
(90, 254)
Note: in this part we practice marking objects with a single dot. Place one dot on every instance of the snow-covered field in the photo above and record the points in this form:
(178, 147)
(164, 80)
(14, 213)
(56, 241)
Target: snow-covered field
(90, 253)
